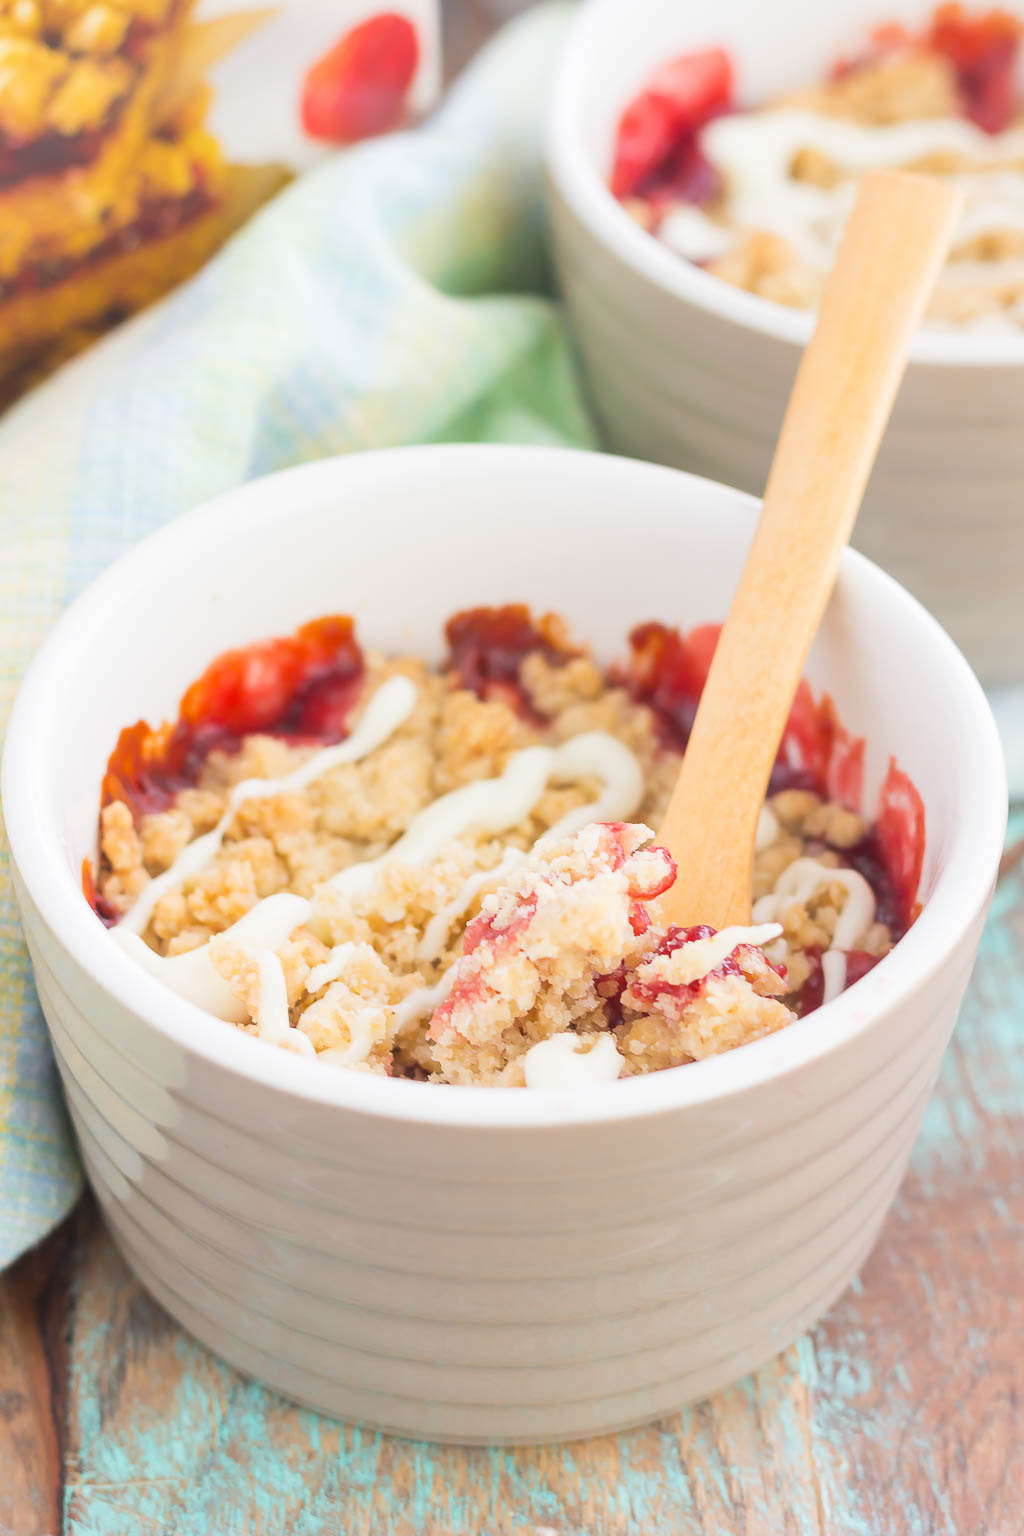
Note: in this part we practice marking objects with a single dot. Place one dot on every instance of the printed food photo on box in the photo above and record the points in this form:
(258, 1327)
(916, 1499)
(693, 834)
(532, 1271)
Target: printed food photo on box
(137, 135)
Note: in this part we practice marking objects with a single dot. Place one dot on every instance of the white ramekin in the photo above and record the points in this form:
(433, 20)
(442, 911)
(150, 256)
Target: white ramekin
(686, 370)
(486, 1264)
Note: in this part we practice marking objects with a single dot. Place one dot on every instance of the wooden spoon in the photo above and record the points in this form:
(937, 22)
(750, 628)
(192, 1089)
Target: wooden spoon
(894, 246)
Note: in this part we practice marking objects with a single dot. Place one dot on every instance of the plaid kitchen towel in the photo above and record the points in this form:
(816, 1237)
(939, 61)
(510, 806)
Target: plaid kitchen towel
(396, 294)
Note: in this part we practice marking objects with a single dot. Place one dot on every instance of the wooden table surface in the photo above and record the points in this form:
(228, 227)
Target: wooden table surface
(897, 1416)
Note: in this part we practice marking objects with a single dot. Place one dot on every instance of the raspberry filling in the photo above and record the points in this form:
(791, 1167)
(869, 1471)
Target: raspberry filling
(654, 991)
(667, 671)
(301, 688)
(812, 993)
(984, 52)
(656, 149)
(53, 151)
(487, 648)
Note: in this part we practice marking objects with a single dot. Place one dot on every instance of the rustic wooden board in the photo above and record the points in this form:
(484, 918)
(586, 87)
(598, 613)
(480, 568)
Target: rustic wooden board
(895, 1417)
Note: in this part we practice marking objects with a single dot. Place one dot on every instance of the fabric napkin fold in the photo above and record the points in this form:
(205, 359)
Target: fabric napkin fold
(397, 294)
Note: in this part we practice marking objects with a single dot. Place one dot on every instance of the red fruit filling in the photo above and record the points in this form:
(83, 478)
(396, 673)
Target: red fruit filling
(656, 139)
(899, 837)
(482, 929)
(157, 218)
(812, 993)
(667, 671)
(359, 88)
(106, 914)
(983, 50)
(651, 990)
(487, 647)
(471, 990)
(53, 151)
(301, 688)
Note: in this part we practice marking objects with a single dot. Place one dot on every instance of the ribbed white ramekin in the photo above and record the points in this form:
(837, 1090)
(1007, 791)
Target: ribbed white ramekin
(686, 370)
(486, 1264)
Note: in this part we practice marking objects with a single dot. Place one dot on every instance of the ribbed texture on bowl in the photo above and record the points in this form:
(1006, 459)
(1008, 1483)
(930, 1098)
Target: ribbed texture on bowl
(472, 1314)
(678, 384)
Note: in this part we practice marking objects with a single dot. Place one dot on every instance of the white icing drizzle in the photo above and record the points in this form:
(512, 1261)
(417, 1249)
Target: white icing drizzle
(359, 1023)
(559, 1063)
(797, 884)
(389, 707)
(833, 974)
(689, 232)
(596, 755)
(191, 975)
(272, 1022)
(437, 930)
(696, 959)
(271, 922)
(424, 1000)
(494, 805)
(330, 969)
(768, 829)
(194, 976)
(968, 274)
(755, 152)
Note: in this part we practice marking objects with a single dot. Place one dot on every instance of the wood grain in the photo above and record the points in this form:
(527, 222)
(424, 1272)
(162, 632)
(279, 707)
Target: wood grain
(34, 1315)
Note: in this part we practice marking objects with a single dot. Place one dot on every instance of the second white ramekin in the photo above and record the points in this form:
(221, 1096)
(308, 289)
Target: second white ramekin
(687, 370)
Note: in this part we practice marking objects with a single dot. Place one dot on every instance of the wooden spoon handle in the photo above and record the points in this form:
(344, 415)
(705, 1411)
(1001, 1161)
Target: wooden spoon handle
(891, 253)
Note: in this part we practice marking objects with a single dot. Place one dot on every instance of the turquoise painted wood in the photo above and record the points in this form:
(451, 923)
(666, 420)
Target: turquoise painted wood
(895, 1417)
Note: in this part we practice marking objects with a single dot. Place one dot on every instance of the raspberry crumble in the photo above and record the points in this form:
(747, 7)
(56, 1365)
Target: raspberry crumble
(448, 874)
(759, 197)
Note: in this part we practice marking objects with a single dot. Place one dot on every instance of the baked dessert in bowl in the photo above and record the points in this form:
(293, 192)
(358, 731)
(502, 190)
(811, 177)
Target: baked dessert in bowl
(700, 167)
(413, 871)
(759, 197)
(486, 1262)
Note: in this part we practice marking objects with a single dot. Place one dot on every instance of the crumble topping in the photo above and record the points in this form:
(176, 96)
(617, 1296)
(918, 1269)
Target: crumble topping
(465, 889)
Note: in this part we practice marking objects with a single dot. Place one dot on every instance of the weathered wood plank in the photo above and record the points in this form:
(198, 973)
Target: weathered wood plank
(165, 1439)
(921, 1368)
(34, 1315)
